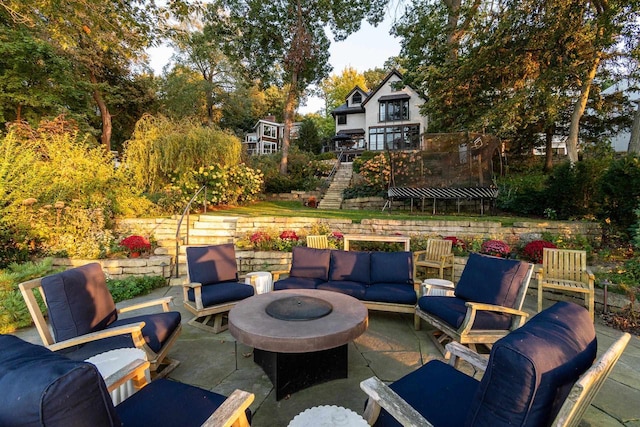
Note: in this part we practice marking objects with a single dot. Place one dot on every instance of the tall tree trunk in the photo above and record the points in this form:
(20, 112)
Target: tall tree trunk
(578, 111)
(634, 140)
(289, 110)
(104, 112)
(455, 29)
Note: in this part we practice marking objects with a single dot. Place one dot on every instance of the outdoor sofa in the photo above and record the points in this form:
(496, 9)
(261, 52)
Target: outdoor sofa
(381, 280)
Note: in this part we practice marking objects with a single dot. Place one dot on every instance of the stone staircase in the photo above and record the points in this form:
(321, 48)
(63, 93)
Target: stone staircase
(333, 197)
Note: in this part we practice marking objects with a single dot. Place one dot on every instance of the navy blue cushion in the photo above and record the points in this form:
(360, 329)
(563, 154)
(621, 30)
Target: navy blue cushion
(392, 267)
(392, 293)
(453, 310)
(223, 292)
(212, 264)
(353, 266)
(310, 263)
(491, 280)
(354, 289)
(296, 283)
(437, 391)
(44, 388)
(78, 301)
(532, 369)
(169, 403)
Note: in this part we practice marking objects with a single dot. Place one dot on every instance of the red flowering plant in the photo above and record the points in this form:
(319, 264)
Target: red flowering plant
(261, 240)
(136, 244)
(458, 246)
(496, 248)
(289, 235)
(335, 239)
(533, 250)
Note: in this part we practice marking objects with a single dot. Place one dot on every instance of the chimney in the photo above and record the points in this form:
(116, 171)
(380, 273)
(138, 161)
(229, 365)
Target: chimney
(270, 118)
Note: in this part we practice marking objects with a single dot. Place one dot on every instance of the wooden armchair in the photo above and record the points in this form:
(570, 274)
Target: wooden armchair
(318, 242)
(44, 388)
(82, 319)
(486, 305)
(566, 270)
(552, 357)
(437, 255)
(212, 287)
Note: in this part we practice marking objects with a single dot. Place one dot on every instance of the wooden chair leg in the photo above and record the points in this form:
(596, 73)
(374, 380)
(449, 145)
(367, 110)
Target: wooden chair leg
(540, 292)
(590, 303)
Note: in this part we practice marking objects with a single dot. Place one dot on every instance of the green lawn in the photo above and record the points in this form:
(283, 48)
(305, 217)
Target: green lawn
(283, 209)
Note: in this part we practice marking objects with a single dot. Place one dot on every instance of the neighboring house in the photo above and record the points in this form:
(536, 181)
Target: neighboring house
(558, 145)
(620, 139)
(267, 136)
(385, 118)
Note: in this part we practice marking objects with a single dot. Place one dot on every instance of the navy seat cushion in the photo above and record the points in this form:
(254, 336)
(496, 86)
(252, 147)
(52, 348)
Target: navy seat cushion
(392, 267)
(212, 264)
(352, 266)
(354, 289)
(78, 301)
(296, 283)
(532, 369)
(453, 310)
(391, 293)
(222, 292)
(169, 403)
(40, 387)
(310, 263)
(437, 391)
(491, 280)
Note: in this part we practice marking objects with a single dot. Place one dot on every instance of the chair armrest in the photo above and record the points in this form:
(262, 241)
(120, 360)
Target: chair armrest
(380, 395)
(540, 273)
(447, 257)
(134, 329)
(460, 352)
(232, 411)
(474, 307)
(164, 302)
(192, 285)
(276, 274)
(590, 277)
(134, 370)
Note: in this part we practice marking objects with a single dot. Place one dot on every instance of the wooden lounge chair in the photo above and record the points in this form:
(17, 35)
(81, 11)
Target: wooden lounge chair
(437, 255)
(45, 388)
(551, 357)
(566, 270)
(318, 242)
(487, 303)
(83, 321)
(213, 288)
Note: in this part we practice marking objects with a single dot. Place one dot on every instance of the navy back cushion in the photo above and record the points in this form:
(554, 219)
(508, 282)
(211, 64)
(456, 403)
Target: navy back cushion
(351, 266)
(532, 369)
(491, 280)
(212, 264)
(40, 387)
(310, 263)
(392, 267)
(78, 301)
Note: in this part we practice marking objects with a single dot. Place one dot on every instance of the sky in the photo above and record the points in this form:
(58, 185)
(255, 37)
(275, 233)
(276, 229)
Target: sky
(368, 48)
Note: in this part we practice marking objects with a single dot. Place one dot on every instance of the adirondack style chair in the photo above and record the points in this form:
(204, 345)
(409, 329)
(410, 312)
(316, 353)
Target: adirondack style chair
(82, 319)
(436, 255)
(566, 270)
(40, 387)
(552, 356)
(317, 242)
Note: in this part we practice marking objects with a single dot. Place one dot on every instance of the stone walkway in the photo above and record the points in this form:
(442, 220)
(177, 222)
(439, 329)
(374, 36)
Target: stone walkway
(389, 349)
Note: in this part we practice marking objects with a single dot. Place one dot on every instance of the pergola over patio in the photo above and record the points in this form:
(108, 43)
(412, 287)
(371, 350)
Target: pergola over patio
(481, 194)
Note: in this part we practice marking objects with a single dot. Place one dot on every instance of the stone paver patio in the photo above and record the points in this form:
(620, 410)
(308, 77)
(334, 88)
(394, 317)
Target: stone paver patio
(389, 349)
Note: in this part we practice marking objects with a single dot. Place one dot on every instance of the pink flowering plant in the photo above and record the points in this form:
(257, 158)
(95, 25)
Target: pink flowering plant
(458, 246)
(136, 244)
(496, 248)
(532, 251)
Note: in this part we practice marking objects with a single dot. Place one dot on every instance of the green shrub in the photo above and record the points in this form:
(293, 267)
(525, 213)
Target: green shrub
(620, 194)
(362, 190)
(303, 171)
(133, 286)
(522, 193)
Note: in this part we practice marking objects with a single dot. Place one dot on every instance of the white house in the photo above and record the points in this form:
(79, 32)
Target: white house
(620, 139)
(267, 136)
(386, 118)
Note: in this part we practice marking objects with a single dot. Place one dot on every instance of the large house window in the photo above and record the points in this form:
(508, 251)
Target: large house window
(342, 119)
(394, 138)
(395, 110)
(356, 98)
(269, 131)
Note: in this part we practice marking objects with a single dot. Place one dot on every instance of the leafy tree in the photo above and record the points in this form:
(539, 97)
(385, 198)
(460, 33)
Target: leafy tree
(180, 94)
(284, 41)
(309, 138)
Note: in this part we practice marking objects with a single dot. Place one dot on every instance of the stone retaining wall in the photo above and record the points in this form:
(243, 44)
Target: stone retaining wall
(156, 265)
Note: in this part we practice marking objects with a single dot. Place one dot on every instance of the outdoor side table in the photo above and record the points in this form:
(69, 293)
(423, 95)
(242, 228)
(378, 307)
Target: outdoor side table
(440, 287)
(326, 415)
(111, 361)
(264, 281)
